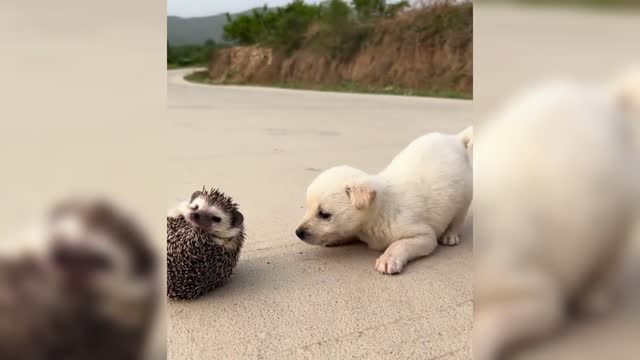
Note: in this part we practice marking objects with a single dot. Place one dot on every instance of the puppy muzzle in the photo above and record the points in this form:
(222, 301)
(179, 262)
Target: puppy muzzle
(302, 233)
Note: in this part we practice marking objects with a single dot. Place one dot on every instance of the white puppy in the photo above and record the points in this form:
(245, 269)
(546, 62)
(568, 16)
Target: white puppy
(556, 190)
(420, 198)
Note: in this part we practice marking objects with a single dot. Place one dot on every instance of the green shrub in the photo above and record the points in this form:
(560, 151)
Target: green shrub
(368, 9)
(444, 18)
(342, 27)
(280, 28)
(190, 55)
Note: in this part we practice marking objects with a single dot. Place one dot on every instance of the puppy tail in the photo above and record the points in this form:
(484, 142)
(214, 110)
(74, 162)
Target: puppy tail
(626, 89)
(467, 137)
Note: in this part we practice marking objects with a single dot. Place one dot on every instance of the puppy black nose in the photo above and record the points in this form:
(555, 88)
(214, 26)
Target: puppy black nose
(301, 233)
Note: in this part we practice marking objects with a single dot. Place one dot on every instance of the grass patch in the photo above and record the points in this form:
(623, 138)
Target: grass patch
(340, 44)
(192, 55)
(202, 77)
(178, 66)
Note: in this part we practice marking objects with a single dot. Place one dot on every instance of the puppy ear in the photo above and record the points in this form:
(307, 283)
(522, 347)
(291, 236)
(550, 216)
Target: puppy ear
(361, 195)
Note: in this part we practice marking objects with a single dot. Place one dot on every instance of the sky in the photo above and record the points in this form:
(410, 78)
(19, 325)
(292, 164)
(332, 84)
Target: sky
(193, 8)
(190, 8)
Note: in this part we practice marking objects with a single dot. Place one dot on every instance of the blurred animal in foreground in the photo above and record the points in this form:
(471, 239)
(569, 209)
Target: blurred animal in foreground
(85, 290)
(557, 193)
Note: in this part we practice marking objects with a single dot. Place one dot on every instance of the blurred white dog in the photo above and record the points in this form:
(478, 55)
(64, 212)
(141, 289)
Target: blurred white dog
(420, 199)
(557, 189)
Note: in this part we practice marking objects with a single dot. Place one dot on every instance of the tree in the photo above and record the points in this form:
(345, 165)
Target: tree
(281, 28)
(336, 14)
(368, 9)
(288, 25)
(393, 9)
(209, 51)
(245, 30)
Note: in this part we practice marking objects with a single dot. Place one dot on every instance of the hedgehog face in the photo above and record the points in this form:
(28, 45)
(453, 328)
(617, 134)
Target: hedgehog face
(94, 249)
(214, 213)
(337, 206)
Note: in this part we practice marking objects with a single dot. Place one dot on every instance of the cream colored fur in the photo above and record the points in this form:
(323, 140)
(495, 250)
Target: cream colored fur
(556, 186)
(422, 197)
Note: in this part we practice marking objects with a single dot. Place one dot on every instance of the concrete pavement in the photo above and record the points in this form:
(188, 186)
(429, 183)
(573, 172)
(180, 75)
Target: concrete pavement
(288, 299)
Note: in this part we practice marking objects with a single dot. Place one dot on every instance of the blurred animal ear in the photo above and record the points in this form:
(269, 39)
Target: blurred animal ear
(236, 218)
(361, 195)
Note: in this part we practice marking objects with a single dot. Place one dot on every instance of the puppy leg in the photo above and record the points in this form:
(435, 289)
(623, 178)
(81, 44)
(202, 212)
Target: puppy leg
(600, 297)
(452, 235)
(607, 281)
(511, 321)
(400, 252)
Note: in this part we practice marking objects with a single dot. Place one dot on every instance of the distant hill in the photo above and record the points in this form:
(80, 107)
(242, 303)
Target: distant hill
(197, 30)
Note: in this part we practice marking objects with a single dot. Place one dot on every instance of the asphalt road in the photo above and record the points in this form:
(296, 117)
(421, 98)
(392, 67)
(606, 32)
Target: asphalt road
(263, 146)
(288, 299)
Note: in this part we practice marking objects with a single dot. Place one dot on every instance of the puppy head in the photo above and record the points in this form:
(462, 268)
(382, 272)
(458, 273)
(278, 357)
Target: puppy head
(338, 203)
(214, 213)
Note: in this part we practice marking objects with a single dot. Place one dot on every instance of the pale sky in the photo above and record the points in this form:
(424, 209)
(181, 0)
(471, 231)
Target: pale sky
(190, 8)
(193, 8)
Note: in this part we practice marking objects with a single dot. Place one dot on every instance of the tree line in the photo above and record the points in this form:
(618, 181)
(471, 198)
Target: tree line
(339, 25)
(340, 28)
(191, 55)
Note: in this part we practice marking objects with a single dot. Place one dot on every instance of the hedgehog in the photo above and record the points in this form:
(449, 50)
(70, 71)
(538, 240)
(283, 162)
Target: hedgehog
(86, 287)
(204, 239)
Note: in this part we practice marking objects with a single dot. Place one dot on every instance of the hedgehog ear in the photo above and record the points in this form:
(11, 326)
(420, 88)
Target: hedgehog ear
(236, 218)
(195, 195)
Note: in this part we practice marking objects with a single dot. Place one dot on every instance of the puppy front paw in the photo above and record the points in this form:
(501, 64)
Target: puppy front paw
(450, 238)
(596, 303)
(387, 264)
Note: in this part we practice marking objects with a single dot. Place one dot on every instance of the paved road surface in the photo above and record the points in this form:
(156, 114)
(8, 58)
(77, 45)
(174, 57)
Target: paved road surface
(288, 299)
(291, 300)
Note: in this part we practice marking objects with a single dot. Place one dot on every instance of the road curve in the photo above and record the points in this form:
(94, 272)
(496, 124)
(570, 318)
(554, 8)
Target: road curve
(289, 299)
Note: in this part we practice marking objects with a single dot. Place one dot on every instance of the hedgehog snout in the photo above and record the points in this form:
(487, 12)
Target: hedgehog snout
(200, 219)
(78, 259)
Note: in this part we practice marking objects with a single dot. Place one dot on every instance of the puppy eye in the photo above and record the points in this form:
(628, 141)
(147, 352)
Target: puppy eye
(215, 219)
(323, 215)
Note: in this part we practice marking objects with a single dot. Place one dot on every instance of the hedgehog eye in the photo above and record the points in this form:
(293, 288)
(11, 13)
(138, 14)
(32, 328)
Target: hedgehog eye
(324, 215)
(100, 263)
(215, 219)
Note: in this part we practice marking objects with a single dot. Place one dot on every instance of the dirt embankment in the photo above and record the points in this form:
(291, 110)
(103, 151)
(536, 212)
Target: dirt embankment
(426, 50)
